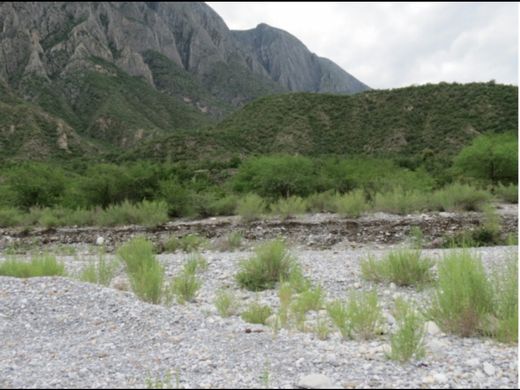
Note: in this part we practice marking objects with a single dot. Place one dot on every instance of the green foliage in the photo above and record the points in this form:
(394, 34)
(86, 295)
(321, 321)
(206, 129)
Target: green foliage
(289, 207)
(44, 265)
(145, 272)
(188, 243)
(195, 263)
(101, 272)
(400, 201)
(490, 158)
(404, 267)
(338, 313)
(352, 204)
(505, 288)
(312, 299)
(321, 202)
(231, 242)
(10, 216)
(250, 207)
(464, 295)
(271, 263)
(226, 303)
(456, 197)
(256, 313)
(184, 287)
(408, 340)
(147, 213)
(507, 193)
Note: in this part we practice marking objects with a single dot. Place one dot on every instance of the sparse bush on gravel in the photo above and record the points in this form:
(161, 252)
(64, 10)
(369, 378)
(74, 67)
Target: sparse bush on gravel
(101, 272)
(505, 285)
(250, 207)
(226, 303)
(145, 272)
(408, 340)
(351, 204)
(289, 207)
(404, 267)
(44, 265)
(507, 193)
(456, 197)
(400, 201)
(271, 263)
(256, 313)
(195, 262)
(231, 242)
(184, 287)
(188, 243)
(147, 213)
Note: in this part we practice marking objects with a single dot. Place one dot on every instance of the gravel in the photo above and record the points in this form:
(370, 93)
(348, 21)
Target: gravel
(60, 332)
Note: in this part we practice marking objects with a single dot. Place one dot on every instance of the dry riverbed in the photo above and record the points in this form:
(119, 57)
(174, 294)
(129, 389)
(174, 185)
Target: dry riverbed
(60, 332)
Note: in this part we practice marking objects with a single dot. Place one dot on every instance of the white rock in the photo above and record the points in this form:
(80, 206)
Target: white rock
(100, 240)
(392, 286)
(489, 369)
(474, 362)
(440, 378)
(315, 381)
(429, 380)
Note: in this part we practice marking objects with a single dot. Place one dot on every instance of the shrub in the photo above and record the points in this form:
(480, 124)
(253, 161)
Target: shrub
(231, 242)
(250, 207)
(404, 267)
(45, 265)
(352, 204)
(364, 314)
(194, 263)
(321, 328)
(505, 284)
(400, 201)
(184, 287)
(145, 272)
(507, 193)
(464, 295)
(338, 313)
(271, 263)
(226, 303)
(9, 217)
(408, 340)
(147, 213)
(311, 299)
(289, 207)
(322, 202)
(459, 197)
(256, 314)
(101, 272)
(188, 243)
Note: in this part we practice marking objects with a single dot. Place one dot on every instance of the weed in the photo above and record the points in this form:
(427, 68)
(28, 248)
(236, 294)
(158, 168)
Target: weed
(44, 265)
(226, 303)
(256, 314)
(408, 340)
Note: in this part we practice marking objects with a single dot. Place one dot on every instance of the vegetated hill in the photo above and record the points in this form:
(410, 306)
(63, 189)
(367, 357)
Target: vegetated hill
(118, 73)
(418, 122)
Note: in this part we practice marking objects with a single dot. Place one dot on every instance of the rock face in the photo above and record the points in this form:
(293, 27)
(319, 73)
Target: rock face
(288, 62)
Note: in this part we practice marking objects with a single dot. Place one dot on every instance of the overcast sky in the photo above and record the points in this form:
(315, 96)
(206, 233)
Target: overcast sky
(388, 45)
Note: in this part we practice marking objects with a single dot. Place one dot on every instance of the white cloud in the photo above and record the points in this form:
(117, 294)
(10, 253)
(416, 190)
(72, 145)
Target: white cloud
(388, 45)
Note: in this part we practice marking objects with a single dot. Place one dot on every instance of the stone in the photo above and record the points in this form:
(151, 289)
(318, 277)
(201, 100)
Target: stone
(315, 381)
(100, 240)
(489, 369)
(431, 328)
(440, 378)
(474, 362)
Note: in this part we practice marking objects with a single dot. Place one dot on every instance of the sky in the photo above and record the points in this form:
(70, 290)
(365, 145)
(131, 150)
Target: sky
(391, 45)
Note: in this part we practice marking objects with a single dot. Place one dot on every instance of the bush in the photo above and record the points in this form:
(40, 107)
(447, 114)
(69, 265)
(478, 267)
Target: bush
(505, 284)
(145, 272)
(322, 202)
(147, 213)
(404, 267)
(10, 216)
(352, 204)
(250, 207)
(399, 201)
(226, 303)
(101, 272)
(45, 265)
(256, 314)
(188, 243)
(338, 313)
(507, 193)
(231, 242)
(195, 263)
(271, 263)
(464, 295)
(408, 340)
(459, 197)
(184, 287)
(289, 207)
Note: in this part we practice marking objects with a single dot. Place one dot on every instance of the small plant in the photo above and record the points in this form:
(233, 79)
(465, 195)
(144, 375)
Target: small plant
(145, 272)
(45, 265)
(321, 328)
(459, 197)
(403, 267)
(322, 202)
(352, 204)
(507, 193)
(256, 314)
(184, 287)
(338, 313)
(251, 207)
(364, 313)
(271, 263)
(226, 303)
(400, 201)
(408, 340)
(416, 237)
(289, 207)
(188, 243)
(164, 383)
(298, 282)
(505, 284)
(285, 293)
(464, 295)
(101, 272)
(195, 263)
(266, 376)
(311, 299)
(231, 242)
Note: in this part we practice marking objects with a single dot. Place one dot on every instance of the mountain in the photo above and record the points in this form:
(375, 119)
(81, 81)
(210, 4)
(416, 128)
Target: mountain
(120, 73)
(419, 122)
(288, 62)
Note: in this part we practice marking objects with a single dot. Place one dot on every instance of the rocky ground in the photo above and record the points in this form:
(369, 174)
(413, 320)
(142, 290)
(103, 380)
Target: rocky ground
(60, 332)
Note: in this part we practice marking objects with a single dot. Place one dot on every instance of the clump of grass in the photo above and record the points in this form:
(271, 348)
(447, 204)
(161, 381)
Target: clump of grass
(408, 340)
(188, 243)
(322, 202)
(271, 263)
(44, 265)
(256, 314)
(195, 263)
(184, 287)
(399, 201)
(145, 272)
(321, 328)
(360, 315)
(311, 299)
(147, 213)
(10, 216)
(297, 281)
(226, 303)
(231, 242)
(507, 193)
(285, 293)
(289, 207)
(250, 207)
(464, 295)
(416, 237)
(351, 204)
(101, 272)
(404, 267)
(505, 284)
(459, 197)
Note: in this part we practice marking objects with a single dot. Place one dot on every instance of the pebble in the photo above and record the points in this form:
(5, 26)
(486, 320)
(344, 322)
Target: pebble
(431, 328)
(489, 369)
(315, 381)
